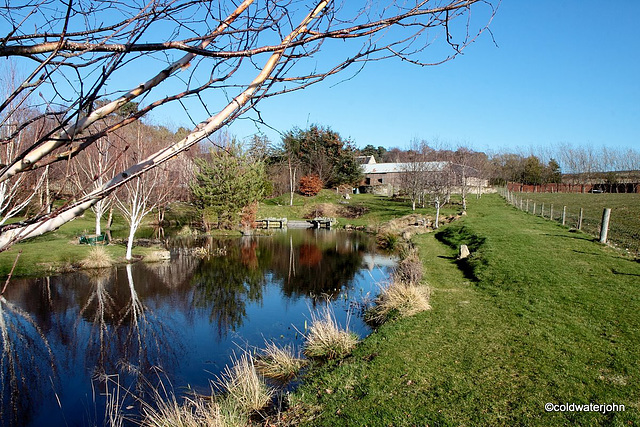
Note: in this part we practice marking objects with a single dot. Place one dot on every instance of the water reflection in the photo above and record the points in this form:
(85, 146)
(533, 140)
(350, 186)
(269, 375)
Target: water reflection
(99, 312)
(228, 280)
(26, 362)
(183, 317)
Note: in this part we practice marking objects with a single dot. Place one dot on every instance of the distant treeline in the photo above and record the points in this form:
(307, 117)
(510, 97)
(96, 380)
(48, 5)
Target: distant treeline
(562, 164)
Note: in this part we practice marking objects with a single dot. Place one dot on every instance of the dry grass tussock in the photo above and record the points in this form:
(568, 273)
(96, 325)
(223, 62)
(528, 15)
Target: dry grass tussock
(325, 339)
(98, 258)
(244, 386)
(322, 210)
(243, 393)
(399, 298)
(193, 412)
(409, 269)
(279, 363)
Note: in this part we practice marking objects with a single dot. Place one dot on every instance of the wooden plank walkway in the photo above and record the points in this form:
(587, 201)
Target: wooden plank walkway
(285, 223)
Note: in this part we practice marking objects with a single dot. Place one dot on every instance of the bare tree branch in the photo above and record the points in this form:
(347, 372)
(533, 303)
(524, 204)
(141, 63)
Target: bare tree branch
(82, 55)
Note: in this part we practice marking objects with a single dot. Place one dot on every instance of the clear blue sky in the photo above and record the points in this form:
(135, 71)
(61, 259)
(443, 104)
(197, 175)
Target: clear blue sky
(562, 72)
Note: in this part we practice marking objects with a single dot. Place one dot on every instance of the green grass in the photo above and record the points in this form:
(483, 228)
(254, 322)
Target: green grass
(624, 228)
(538, 314)
(378, 209)
(59, 250)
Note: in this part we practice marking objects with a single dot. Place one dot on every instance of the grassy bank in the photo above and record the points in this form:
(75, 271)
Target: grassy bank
(361, 210)
(538, 314)
(59, 250)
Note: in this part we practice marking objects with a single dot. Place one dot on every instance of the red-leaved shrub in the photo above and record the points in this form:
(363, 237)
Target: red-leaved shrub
(310, 185)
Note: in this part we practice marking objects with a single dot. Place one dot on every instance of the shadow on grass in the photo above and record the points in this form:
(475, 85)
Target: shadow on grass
(456, 235)
(576, 237)
(614, 271)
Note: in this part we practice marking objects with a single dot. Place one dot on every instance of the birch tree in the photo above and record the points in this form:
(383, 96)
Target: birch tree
(93, 168)
(15, 193)
(138, 197)
(438, 186)
(219, 60)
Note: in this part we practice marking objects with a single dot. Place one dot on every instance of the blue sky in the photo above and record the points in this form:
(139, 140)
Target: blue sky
(562, 72)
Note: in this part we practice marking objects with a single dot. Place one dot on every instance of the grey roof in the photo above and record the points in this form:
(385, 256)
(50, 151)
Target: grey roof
(401, 167)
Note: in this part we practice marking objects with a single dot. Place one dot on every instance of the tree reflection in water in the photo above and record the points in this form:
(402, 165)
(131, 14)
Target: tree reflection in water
(138, 319)
(315, 264)
(26, 361)
(228, 280)
(100, 310)
(146, 342)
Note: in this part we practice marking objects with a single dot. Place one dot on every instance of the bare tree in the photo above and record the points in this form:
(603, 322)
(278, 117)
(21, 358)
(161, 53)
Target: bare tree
(93, 167)
(17, 192)
(138, 197)
(438, 183)
(463, 157)
(76, 62)
(413, 180)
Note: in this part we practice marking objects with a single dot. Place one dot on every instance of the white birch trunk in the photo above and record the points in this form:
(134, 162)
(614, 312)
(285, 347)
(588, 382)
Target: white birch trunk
(292, 180)
(205, 129)
(76, 127)
(132, 233)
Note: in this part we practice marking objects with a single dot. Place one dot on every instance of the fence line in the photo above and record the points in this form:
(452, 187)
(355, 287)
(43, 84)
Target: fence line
(604, 229)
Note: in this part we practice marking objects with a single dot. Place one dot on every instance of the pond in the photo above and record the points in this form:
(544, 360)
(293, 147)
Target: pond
(69, 340)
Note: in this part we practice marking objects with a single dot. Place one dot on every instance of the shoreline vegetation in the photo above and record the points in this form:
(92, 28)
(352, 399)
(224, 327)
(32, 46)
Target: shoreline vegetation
(538, 313)
(59, 252)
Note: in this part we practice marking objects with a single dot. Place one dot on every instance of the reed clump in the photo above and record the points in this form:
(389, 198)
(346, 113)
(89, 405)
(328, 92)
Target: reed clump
(279, 363)
(98, 257)
(244, 386)
(325, 339)
(399, 299)
(241, 392)
(405, 295)
(409, 269)
(193, 412)
(387, 240)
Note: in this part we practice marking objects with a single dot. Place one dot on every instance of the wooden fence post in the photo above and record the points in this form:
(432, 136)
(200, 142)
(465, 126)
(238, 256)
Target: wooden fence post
(580, 219)
(527, 205)
(564, 215)
(551, 213)
(604, 227)
(534, 208)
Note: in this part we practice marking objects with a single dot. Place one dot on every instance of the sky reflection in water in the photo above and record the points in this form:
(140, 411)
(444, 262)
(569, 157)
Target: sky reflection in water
(178, 321)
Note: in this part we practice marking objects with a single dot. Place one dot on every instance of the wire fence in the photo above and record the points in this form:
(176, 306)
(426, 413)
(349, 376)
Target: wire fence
(621, 230)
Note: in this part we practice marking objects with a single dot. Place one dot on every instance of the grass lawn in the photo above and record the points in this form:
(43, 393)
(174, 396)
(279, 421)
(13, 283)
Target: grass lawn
(624, 228)
(59, 250)
(374, 209)
(539, 314)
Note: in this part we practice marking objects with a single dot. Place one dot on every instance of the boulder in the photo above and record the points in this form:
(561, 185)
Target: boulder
(464, 252)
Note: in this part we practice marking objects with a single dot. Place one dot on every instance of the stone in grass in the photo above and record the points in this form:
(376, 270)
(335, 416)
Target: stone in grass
(464, 252)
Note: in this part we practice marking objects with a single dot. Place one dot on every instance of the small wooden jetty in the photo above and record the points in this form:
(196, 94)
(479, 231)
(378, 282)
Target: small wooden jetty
(271, 223)
(285, 223)
(322, 222)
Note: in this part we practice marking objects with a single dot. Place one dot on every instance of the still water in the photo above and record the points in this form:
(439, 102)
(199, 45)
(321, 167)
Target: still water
(67, 341)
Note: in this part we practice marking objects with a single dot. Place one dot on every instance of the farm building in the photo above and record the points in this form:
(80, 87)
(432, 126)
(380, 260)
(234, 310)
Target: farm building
(386, 178)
